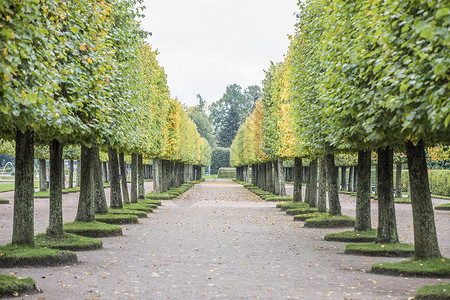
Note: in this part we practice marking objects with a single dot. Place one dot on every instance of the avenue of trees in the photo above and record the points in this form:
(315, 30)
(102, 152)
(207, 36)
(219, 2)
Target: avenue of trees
(78, 78)
(358, 78)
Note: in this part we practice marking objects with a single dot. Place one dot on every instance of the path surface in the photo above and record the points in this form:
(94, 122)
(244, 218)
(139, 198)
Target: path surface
(220, 241)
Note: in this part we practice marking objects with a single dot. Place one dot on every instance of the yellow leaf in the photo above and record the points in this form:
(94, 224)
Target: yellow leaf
(83, 47)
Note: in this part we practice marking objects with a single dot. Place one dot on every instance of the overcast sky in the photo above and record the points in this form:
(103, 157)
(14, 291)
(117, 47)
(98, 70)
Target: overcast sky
(206, 45)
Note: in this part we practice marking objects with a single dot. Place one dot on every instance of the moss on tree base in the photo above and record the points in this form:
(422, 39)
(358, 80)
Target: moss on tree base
(352, 236)
(445, 206)
(433, 292)
(292, 205)
(15, 286)
(304, 217)
(117, 219)
(138, 206)
(387, 250)
(433, 267)
(300, 211)
(12, 256)
(93, 229)
(119, 211)
(69, 241)
(327, 221)
(4, 201)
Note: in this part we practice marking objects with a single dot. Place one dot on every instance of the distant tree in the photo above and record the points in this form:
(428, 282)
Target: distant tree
(204, 126)
(231, 110)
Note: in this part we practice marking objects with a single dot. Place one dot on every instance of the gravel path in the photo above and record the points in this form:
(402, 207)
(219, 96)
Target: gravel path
(218, 240)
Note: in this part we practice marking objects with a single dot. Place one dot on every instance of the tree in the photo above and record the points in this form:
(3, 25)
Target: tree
(204, 126)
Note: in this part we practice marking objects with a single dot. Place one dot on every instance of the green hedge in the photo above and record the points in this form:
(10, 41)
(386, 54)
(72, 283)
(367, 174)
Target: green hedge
(439, 182)
(220, 158)
(226, 173)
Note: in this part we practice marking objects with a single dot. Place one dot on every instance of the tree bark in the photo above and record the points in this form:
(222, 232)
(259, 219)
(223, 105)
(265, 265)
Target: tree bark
(308, 184)
(105, 172)
(363, 190)
(157, 175)
(387, 225)
(297, 179)
(123, 177)
(42, 175)
(78, 181)
(322, 197)
(71, 174)
(23, 220)
(86, 209)
(63, 176)
(115, 192)
(332, 182)
(398, 180)
(282, 187)
(269, 176)
(425, 238)
(55, 227)
(344, 178)
(101, 207)
(355, 178)
(376, 180)
(313, 183)
(350, 179)
(276, 180)
(141, 188)
(134, 167)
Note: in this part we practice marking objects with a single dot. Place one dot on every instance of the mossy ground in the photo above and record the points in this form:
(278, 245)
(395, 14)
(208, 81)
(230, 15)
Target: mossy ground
(118, 211)
(327, 221)
(150, 201)
(445, 206)
(433, 267)
(292, 205)
(69, 241)
(301, 211)
(24, 256)
(433, 292)
(4, 201)
(304, 217)
(117, 218)
(14, 286)
(278, 198)
(372, 249)
(352, 236)
(93, 229)
(138, 206)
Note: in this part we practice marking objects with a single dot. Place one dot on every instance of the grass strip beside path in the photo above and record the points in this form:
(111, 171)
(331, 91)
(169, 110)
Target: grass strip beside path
(433, 267)
(14, 286)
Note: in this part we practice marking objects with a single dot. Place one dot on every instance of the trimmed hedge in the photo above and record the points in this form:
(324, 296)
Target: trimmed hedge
(439, 182)
(226, 173)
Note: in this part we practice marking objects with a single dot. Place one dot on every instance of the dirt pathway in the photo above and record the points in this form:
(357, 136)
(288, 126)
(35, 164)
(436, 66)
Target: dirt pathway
(220, 241)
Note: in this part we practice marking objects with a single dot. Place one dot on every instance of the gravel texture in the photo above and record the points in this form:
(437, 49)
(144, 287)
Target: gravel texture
(219, 240)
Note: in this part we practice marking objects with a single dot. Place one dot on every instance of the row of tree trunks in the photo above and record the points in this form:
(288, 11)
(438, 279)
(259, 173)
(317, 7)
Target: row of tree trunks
(298, 178)
(268, 176)
(167, 174)
(242, 173)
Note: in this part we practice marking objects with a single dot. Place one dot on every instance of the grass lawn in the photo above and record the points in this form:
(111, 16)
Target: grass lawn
(69, 241)
(212, 176)
(440, 291)
(445, 206)
(8, 187)
(14, 286)
(352, 236)
(23, 255)
(92, 229)
(372, 249)
(327, 221)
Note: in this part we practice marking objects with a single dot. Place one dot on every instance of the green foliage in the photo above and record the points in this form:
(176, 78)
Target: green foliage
(439, 182)
(220, 158)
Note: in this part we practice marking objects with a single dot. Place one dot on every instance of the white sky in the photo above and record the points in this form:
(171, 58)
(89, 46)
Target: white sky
(206, 45)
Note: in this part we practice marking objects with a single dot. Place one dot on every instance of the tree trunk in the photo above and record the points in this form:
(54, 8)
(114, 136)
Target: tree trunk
(376, 180)
(71, 174)
(350, 179)
(297, 179)
(332, 182)
(157, 175)
(269, 176)
(115, 192)
(313, 183)
(276, 180)
(387, 225)
(322, 197)
(78, 181)
(23, 220)
(282, 187)
(363, 190)
(105, 172)
(264, 175)
(42, 175)
(141, 188)
(425, 238)
(123, 177)
(134, 169)
(86, 209)
(63, 175)
(55, 227)
(398, 180)
(101, 207)
(344, 178)
(355, 177)
(308, 184)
